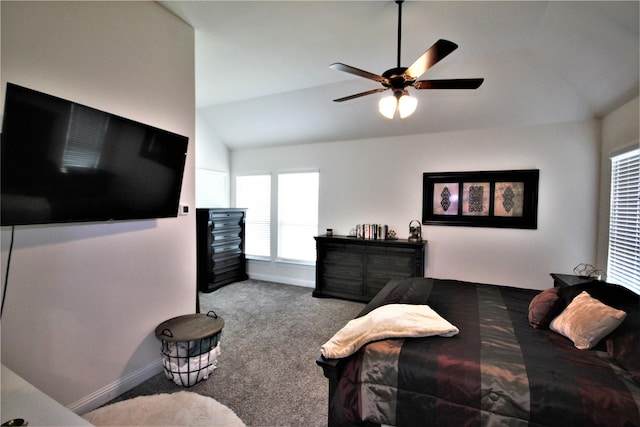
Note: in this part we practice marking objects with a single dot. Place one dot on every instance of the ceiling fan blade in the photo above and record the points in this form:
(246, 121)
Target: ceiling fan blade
(449, 84)
(435, 53)
(358, 95)
(358, 72)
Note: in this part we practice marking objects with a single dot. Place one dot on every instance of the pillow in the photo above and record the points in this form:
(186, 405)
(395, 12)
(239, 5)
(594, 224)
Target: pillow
(414, 290)
(623, 345)
(586, 321)
(612, 295)
(544, 307)
(388, 321)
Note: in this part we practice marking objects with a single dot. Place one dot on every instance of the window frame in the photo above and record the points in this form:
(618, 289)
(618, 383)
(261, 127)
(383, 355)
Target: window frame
(275, 218)
(247, 218)
(623, 244)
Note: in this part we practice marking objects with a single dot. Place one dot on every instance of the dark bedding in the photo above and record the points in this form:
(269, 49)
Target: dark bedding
(498, 370)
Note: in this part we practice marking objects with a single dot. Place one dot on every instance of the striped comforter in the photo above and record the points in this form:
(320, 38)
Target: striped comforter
(497, 371)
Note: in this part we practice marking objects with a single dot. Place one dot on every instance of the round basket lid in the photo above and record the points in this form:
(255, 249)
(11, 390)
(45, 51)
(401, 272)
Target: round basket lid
(190, 327)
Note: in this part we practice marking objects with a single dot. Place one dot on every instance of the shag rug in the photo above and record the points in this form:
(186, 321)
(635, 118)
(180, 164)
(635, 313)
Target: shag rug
(183, 408)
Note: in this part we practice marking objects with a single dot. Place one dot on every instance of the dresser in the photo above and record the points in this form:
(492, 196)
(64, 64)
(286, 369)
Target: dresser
(356, 269)
(220, 247)
(564, 280)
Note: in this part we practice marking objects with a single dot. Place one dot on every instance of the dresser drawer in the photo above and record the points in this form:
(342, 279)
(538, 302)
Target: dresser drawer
(357, 269)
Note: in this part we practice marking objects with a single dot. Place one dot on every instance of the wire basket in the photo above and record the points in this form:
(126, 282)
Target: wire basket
(188, 362)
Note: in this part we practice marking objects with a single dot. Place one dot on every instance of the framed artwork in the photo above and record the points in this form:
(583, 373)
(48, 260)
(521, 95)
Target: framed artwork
(507, 199)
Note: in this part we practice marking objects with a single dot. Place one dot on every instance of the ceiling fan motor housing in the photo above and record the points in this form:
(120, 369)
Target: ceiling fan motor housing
(396, 79)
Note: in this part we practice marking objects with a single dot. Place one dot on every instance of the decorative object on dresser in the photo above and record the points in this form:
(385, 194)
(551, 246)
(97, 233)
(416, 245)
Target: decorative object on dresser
(220, 243)
(356, 269)
(588, 270)
(415, 231)
(370, 231)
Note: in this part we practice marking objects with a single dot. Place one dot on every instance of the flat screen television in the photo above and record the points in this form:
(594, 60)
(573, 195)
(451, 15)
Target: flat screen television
(65, 162)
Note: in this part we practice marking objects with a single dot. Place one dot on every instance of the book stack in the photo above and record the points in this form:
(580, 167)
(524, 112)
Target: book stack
(372, 231)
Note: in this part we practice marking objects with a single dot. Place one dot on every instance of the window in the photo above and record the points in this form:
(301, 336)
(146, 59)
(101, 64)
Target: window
(254, 193)
(295, 198)
(297, 215)
(624, 224)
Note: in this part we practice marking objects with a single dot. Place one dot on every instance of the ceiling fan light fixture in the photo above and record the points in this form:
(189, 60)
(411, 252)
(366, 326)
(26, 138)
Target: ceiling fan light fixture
(401, 102)
(387, 106)
(406, 106)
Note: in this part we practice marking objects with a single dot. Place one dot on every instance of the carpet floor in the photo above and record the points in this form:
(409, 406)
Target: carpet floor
(272, 336)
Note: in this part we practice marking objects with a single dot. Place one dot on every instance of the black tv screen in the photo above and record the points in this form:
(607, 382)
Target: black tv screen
(65, 162)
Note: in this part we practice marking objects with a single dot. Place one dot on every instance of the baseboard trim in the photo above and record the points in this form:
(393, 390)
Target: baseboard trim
(285, 280)
(116, 388)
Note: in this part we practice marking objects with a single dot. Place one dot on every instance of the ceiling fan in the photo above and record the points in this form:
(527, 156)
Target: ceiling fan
(398, 79)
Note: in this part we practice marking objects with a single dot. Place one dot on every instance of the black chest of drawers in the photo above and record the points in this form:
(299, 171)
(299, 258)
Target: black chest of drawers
(220, 246)
(356, 269)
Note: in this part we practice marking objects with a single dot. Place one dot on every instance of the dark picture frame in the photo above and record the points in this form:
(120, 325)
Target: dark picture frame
(503, 199)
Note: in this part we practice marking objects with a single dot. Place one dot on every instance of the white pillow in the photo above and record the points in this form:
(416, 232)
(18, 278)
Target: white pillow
(586, 321)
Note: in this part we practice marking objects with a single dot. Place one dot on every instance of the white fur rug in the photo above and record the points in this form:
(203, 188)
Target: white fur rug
(183, 408)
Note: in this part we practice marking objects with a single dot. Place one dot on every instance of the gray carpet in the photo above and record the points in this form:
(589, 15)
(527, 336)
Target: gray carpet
(272, 336)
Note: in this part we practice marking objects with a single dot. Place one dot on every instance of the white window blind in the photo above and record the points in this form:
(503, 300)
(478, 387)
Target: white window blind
(624, 224)
(254, 193)
(297, 215)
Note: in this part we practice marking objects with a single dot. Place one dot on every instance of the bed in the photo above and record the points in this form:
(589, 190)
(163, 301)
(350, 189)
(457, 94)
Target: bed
(505, 366)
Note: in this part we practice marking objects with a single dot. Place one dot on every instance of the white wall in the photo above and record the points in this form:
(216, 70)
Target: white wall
(380, 181)
(212, 167)
(83, 300)
(620, 130)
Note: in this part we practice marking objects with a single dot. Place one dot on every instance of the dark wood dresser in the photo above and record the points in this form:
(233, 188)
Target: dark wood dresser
(220, 242)
(356, 269)
(564, 280)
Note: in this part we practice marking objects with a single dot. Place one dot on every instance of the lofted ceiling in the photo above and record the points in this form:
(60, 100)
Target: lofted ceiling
(263, 76)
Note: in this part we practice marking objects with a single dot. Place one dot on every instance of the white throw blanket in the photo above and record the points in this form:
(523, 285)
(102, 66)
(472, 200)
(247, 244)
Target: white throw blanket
(387, 321)
(190, 370)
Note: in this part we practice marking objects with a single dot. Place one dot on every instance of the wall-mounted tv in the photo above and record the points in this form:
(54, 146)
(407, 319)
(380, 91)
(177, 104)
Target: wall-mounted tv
(65, 162)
